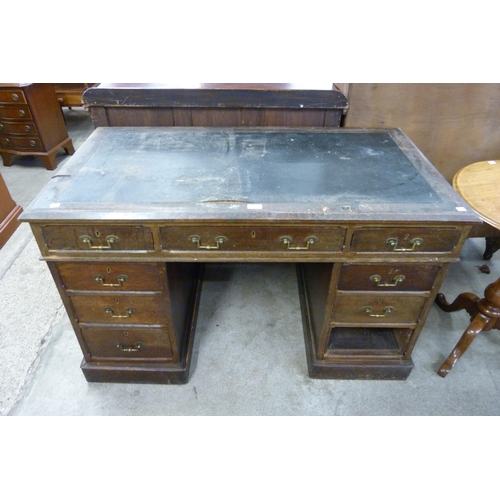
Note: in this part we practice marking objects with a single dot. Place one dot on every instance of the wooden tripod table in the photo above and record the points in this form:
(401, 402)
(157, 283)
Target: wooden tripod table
(478, 184)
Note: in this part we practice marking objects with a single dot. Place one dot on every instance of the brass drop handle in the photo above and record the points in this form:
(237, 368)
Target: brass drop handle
(393, 242)
(368, 311)
(121, 279)
(136, 347)
(218, 239)
(378, 280)
(286, 240)
(110, 239)
(128, 312)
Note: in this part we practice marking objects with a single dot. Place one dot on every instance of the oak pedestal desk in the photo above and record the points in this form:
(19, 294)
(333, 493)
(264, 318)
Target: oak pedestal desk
(128, 224)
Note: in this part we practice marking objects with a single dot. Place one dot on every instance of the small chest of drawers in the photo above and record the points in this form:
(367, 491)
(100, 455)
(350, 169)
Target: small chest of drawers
(31, 123)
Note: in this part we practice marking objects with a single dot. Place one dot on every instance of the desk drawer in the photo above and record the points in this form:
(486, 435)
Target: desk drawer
(12, 97)
(21, 144)
(102, 276)
(368, 308)
(18, 128)
(98, 238)
(147, 309)
(126, 344)
(384, 278)
(405, 241)
(291, 239)
(16, 112)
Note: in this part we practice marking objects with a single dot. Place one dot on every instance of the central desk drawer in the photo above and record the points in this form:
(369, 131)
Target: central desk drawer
(405, 241)
(367, 308)
(147, 309)
(98, 238)
(305, 239)
(130, 343)
(101, 276)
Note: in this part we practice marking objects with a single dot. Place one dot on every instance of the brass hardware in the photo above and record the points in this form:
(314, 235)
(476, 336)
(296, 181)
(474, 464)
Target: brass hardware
(1, 126)
(27, 128)
(15, 97)
(32, 143)
(121, 279)
(377, 280)
(416, 242)
(288, 242)
(136, 347)
(7, 142)
(22, 112)
(368, 311)
(110, 239)
(218, 239)
(128, 312)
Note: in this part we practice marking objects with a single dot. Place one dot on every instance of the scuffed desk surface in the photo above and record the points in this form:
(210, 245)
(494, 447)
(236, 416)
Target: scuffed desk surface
(203, 173)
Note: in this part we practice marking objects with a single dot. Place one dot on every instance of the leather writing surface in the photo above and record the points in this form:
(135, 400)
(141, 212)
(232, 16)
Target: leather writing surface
(193, 167)
(194, 173)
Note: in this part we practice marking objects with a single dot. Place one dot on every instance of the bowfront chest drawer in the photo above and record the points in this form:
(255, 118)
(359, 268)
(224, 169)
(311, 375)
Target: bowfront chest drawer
(32, 123)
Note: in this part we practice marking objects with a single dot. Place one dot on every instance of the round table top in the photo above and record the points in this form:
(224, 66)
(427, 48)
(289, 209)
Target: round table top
(479, 185)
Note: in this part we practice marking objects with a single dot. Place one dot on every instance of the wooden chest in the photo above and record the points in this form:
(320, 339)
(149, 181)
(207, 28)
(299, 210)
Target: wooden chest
(136, 213)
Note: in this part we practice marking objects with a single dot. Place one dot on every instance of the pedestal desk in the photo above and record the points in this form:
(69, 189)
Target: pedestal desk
(128, 224)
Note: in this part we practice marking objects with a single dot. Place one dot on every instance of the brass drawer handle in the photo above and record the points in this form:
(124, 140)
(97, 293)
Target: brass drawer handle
(368, 311)
(416, 242)
(7, 142)
(22, 112)
(32, 143)
(128, 312)
(136, 347)
(15, 97)
(110, 239)
(121, 279)
(1, 126)
(378, 280)
(286, 240)
(27, 128)
(218, 239)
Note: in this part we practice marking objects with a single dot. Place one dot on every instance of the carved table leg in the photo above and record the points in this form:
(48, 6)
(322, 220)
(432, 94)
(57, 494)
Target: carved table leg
(476, 326)
(485, 315)
(467, 301)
